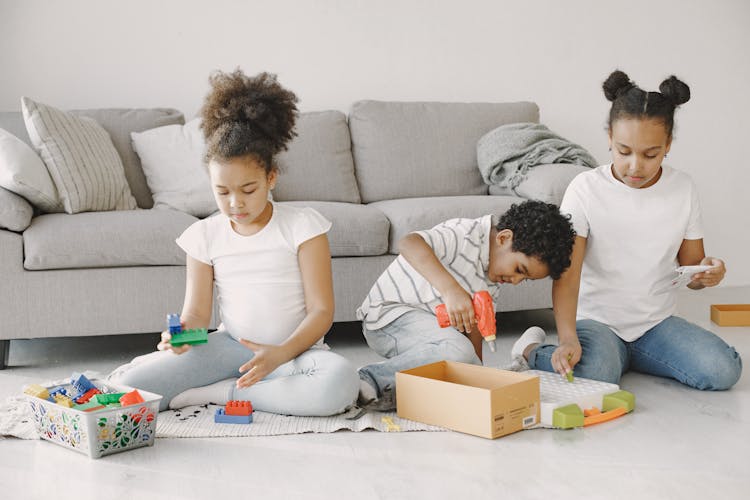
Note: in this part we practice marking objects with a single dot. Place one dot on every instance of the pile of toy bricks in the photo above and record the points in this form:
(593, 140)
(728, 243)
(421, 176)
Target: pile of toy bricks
(83, 395)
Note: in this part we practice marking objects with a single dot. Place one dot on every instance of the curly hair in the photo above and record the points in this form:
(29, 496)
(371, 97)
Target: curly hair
(244, 115)
(630, 101)
(541, 231)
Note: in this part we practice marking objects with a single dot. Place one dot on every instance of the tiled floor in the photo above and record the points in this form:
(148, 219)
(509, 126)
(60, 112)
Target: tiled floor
(679, 443)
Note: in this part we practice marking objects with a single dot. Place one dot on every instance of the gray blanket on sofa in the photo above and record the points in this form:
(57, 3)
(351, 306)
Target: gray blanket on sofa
(505, 154)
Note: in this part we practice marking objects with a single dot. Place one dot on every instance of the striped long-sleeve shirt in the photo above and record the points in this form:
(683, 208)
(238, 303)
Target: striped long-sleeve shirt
(461, 245)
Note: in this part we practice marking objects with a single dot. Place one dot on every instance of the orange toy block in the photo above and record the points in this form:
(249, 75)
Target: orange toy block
(235, 407)
(131, 398)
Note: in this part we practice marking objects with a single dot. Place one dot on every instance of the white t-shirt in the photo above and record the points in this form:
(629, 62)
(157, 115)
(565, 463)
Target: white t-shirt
(633, 236)
(257, 277)
(461, 245)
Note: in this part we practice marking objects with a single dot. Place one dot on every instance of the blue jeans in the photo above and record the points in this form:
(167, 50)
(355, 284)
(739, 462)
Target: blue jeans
(315, 383)
(674, 348)
(411, 340)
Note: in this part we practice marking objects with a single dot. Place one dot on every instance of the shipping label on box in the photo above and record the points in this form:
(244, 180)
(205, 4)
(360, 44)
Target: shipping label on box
(477, 400)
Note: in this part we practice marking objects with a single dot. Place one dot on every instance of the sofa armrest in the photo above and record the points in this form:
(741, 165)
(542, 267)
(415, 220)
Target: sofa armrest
(15, 211)
(544, 182)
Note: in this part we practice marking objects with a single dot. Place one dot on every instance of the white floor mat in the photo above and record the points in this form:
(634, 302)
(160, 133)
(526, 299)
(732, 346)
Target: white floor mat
(198, 421)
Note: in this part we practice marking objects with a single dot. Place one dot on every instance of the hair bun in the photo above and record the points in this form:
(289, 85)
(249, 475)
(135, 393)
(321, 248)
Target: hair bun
(616, 84)
(675, 90)
(257, 108)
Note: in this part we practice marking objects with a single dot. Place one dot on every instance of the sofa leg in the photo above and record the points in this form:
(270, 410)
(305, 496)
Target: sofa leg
(4, 352)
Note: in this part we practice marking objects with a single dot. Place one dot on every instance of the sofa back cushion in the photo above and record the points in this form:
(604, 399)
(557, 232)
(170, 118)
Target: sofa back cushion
(318, 165)
(420, 149)
(119, 123)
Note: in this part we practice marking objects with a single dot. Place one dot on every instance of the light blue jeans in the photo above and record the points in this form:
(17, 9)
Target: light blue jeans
(409, 341)
(315, 383)
(674, 348)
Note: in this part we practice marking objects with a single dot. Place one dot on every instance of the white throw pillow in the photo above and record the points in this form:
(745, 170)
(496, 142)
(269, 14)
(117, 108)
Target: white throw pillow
(24, 173)
(172, 160)
(80, 157)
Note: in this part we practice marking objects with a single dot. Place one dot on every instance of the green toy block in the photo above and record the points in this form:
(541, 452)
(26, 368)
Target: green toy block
(192, 336)
(567, 417)
(107, 399)
(619, 399)
(91, 403)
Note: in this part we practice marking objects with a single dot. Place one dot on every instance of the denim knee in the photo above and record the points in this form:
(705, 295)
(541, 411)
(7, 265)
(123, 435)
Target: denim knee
(341, 382)
(721, 374)
(460, 350)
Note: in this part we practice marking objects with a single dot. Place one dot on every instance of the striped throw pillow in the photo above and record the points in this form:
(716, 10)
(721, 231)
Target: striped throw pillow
(80, 157)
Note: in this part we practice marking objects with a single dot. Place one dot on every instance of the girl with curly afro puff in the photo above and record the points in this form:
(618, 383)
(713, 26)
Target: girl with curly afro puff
(270, 265)
(636, 221)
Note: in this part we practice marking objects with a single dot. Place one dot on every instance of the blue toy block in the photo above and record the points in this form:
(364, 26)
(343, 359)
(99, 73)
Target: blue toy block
(57, 390)
(173, 323)
(221, 418)
(81, 384)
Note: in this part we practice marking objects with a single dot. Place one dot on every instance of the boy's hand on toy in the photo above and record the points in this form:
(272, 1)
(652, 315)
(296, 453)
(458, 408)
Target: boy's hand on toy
(711, 277)
(165, 344)
(460, 310)
(566, 357)
(267, 358)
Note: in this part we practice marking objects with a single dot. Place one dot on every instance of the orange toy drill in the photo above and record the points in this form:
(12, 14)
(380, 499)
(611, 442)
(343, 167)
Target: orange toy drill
(484, 310)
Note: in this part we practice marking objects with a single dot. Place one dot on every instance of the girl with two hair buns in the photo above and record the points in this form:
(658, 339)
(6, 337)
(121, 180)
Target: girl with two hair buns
(636, 220)
(270, 265)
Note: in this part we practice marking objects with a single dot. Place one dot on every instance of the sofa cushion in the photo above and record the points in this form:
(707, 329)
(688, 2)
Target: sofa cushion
(417, 149)
(15, 211)
(105, 239)
(119, 123)
(172, 158)
(414, 214)
(80, 157)
(357, 230)
(318, 164)
(24, 173)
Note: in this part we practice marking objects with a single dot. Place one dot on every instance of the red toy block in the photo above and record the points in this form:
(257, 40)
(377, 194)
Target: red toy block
(86, 396)
(131, 398)
(235, 407)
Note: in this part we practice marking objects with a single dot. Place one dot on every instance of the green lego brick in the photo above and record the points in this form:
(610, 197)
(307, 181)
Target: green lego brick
(567, 417)
(619, 399)
(106, 399)
(192, 336)
(92, 403)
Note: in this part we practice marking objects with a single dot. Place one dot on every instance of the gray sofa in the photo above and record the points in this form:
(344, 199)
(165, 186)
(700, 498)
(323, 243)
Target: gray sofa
(389, 169)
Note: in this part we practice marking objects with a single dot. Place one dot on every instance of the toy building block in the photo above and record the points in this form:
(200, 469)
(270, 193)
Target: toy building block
(173, 323)
(222, 418)
(86, 396)
(484, 310)
(57, 390)
(132, 398)
(235, 407)
(63, 400)
(567, 417)
(81, 384)
(192, 336)
(37, 391)
(89, 406)
(107, 399)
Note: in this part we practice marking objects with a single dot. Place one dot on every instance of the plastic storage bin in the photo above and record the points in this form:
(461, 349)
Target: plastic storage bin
(100, 432)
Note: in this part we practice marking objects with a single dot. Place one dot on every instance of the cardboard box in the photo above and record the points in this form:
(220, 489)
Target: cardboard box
(731, 314)
(477, 400)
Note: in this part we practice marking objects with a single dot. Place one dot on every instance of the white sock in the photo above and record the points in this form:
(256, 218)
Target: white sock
(533, 335)
(218, 393)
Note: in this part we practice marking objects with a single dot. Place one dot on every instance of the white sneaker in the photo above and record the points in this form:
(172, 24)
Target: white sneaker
(533, 335)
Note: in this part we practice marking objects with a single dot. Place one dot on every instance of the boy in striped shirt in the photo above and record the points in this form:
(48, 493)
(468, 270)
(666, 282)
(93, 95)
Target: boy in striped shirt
(448, 264)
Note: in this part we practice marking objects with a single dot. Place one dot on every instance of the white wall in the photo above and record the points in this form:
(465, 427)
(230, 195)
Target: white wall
(96, 53)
